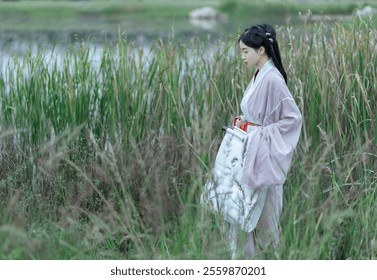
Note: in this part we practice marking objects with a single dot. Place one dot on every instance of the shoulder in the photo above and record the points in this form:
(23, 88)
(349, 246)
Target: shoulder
(273, 76)
(274, 81)
(273, 85)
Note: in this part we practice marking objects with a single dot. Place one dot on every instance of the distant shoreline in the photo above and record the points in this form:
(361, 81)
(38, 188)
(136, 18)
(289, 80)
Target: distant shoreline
(32, 16)
(139, 9)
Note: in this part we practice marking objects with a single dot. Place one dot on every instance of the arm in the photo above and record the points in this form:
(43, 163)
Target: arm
(270, 149)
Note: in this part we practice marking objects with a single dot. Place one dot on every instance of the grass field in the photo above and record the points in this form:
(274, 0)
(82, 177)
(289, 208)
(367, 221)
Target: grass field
(106, 159)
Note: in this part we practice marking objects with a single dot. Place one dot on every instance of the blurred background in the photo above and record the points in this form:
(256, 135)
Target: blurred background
(34, 24)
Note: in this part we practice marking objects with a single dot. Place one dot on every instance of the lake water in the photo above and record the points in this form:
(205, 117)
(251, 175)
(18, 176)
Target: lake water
(55, 40)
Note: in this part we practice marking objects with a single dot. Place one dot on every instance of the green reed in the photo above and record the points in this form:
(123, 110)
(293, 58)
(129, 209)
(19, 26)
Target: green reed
(106, 159)
(335, 77)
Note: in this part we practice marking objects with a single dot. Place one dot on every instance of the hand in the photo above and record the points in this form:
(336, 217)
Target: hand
(237, 122)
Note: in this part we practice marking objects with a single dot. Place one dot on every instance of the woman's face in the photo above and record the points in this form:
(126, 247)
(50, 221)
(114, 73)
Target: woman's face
(249, 55)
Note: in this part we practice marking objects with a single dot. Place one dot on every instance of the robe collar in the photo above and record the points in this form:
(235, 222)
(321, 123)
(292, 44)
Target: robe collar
(268, 65)
(251, 88)
(261, 73)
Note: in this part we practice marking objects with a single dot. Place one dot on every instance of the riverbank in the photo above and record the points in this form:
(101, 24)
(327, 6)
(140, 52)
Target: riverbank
(67, 15)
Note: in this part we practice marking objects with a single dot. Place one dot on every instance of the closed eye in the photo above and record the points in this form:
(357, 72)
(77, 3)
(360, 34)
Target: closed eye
(244, 50)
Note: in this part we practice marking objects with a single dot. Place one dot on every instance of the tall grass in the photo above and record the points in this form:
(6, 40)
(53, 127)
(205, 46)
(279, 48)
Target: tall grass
(106, 159)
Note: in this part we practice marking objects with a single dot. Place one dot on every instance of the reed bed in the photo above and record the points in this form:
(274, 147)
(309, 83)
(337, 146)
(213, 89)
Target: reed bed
(106, 159)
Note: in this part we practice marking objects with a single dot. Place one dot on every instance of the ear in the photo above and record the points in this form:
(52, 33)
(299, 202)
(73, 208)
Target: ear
(261, 50)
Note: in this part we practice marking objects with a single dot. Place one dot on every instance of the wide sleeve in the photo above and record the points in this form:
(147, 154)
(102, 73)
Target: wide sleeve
(269, 150)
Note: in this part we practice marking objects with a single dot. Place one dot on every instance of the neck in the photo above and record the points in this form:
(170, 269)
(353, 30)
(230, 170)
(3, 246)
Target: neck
(262, 61)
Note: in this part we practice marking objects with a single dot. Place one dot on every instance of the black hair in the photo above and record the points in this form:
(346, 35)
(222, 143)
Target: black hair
(264, 35)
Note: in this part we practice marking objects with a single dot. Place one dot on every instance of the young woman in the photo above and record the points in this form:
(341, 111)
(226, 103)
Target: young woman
(268, 104)
(254, 156)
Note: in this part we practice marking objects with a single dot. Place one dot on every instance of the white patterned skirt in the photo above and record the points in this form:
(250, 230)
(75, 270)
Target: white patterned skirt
(225, 193)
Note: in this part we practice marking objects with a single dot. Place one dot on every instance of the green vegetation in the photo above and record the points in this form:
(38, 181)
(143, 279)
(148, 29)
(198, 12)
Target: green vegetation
(143, 8)
(169, 8)
(67, 15)
(106, 159)
(244, 7)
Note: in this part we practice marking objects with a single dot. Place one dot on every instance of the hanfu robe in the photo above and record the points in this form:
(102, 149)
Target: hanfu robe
(256, 163)
(268, 103)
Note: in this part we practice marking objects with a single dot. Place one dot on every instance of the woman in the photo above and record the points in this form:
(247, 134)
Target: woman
(268, 103)
(254, 157)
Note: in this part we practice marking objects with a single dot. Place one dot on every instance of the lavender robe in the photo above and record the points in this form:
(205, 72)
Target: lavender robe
(268, 102)
(268, 151)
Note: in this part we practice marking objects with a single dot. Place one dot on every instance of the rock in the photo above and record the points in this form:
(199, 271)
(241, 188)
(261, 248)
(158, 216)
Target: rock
(366, 11)
(206, 13)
